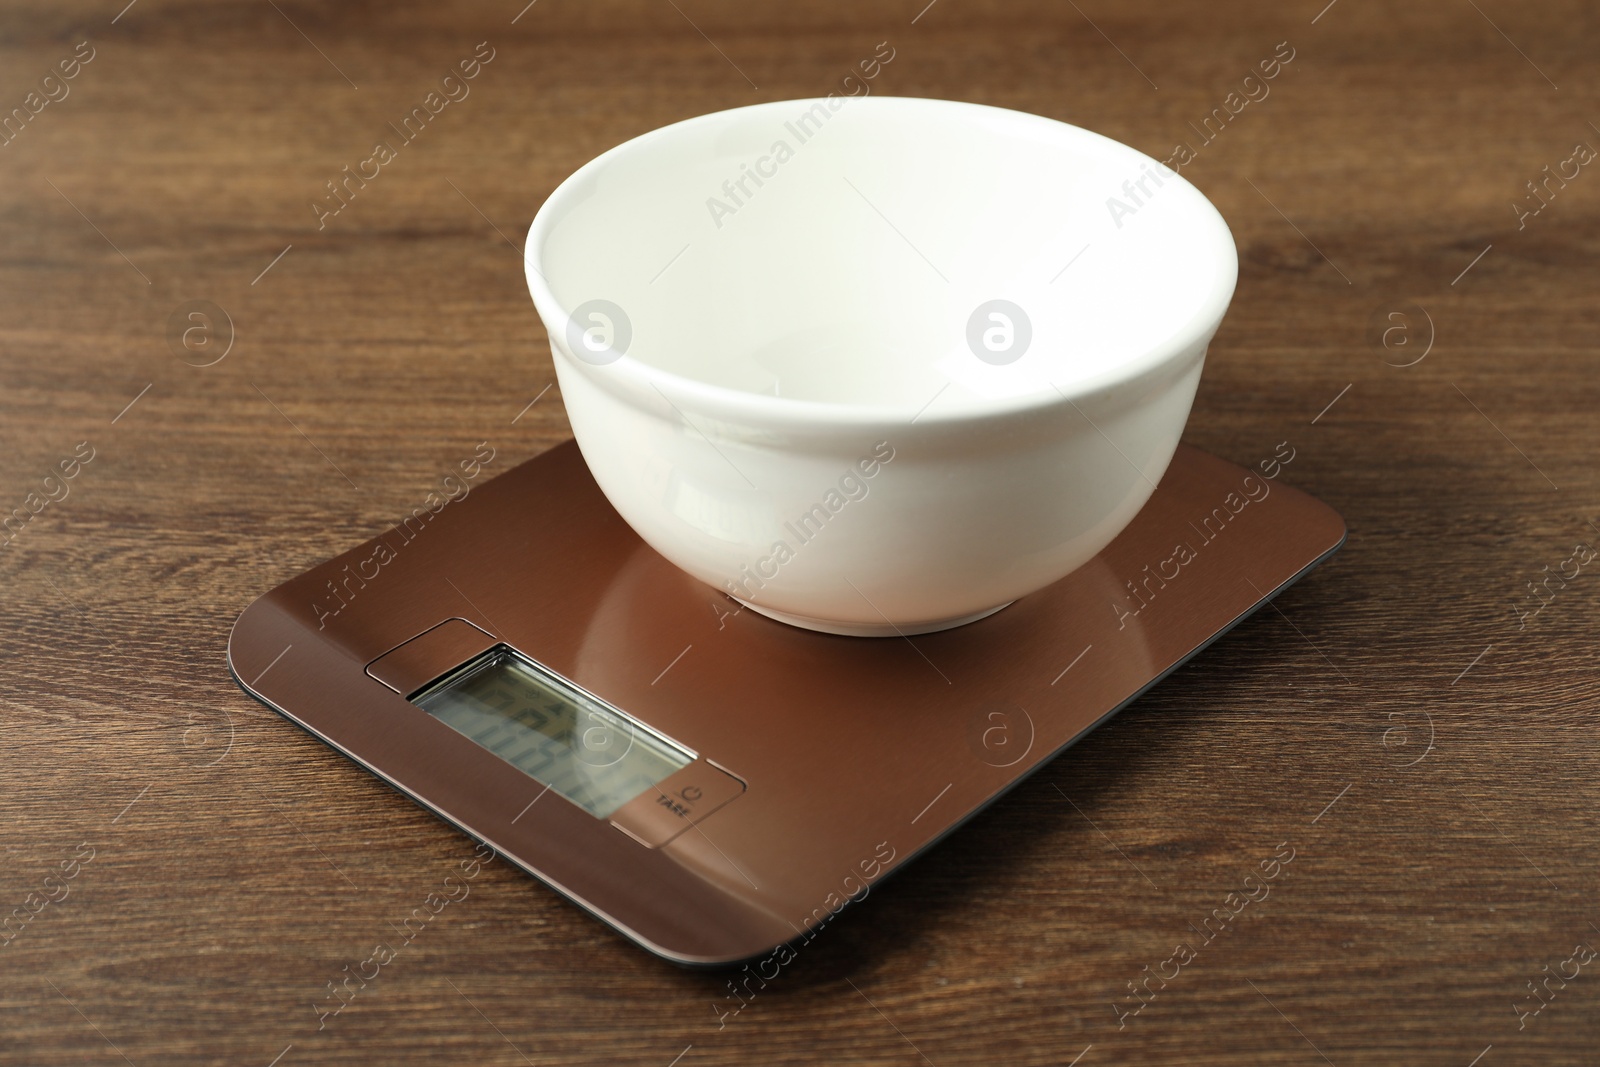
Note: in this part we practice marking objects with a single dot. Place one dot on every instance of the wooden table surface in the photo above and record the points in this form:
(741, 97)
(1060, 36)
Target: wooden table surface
(185, 872)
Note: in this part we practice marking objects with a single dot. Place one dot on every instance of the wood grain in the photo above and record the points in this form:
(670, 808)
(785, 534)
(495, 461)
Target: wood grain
(238, 865)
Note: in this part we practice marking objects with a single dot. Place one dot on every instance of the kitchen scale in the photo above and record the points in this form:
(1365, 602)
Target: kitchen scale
(712, 783)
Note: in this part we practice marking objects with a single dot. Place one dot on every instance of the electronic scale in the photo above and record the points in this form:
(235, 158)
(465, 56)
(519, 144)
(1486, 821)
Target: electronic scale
(708, 781)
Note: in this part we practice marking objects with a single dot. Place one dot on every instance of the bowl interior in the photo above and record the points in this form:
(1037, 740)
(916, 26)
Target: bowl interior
(851, 251)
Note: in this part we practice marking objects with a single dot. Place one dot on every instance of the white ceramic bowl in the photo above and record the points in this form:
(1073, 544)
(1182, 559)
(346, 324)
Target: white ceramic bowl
(878, 365)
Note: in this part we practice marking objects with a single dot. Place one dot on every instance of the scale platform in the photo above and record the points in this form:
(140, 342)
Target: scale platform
(711, 783)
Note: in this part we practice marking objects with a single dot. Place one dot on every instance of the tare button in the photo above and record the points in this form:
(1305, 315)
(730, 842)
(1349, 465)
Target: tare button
(676, 803)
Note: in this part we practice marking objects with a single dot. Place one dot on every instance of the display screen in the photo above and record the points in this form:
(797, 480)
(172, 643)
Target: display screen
(588, 752)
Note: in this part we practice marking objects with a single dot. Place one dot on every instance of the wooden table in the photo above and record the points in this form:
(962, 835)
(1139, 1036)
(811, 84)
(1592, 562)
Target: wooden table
(1404, 723)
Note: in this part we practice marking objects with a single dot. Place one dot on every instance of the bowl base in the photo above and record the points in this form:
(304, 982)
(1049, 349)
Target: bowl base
(852, 629)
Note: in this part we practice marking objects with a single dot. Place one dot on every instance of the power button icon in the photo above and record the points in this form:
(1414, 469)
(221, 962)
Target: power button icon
(677, 802)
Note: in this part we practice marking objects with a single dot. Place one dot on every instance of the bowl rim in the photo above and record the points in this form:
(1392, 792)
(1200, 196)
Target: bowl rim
(628, 373)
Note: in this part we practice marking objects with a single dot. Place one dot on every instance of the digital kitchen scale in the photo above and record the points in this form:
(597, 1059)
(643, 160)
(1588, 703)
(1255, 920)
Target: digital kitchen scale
(708, 781)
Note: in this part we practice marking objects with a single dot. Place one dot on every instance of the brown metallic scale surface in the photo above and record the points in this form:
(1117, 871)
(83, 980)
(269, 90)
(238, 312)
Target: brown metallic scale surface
(850, 748)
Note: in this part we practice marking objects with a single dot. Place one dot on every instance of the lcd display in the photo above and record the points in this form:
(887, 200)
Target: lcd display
(590, 753)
